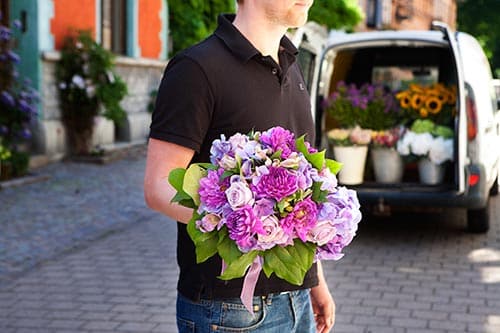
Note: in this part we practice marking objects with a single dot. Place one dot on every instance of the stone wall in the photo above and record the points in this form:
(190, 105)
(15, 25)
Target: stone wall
(142, 77)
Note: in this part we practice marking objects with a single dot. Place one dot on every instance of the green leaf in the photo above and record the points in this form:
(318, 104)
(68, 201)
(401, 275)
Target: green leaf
(333, 165)
(176, 178)
(318, 195)
(284, 265)
(239, 266)
(192, 181)
(227, 248)
(205, 242)
(316, 159)
(303, 252)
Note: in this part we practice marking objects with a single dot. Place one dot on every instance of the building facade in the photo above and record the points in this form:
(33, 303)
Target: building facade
(135, 30)
(407, 14)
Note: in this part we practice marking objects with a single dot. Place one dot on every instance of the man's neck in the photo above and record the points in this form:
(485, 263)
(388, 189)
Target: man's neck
(264, 35)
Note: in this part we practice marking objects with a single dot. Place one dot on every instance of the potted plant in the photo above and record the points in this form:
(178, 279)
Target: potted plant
(88, 87)
(350, 147)
(387, 162)
(18, 106)
(435, 102)
(431, 145)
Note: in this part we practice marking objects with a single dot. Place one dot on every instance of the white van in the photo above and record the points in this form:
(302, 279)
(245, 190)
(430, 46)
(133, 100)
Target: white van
(443, 56)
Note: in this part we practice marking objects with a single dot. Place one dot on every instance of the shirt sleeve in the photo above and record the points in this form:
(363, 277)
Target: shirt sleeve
(184, 104)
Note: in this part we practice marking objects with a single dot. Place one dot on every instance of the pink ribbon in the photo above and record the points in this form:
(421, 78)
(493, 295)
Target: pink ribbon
(249, 283)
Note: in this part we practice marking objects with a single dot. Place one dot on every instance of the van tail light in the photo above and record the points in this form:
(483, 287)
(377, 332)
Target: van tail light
(473, 179)
(471, 110)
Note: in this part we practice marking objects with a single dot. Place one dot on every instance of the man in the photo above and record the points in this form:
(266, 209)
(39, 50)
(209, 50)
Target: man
(243, 77)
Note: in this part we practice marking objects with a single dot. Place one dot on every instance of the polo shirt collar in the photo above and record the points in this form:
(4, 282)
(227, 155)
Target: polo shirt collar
(239, 45)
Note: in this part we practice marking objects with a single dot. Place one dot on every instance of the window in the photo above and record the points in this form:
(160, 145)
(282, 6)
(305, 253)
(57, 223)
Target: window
(4, 10)
(306, 60)
(373, 13)
(114, 27)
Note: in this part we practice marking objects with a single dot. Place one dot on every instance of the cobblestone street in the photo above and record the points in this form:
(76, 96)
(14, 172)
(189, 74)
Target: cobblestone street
(80, 252)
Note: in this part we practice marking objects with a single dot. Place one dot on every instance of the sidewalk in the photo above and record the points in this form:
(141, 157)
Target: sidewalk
(79, 202)
(81, 253)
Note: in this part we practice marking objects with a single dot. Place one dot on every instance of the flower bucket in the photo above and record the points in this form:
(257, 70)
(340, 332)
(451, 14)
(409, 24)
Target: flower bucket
(387, 165)
(353, 158)
(429, 172)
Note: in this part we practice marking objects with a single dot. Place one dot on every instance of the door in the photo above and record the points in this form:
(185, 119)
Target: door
(461, 120)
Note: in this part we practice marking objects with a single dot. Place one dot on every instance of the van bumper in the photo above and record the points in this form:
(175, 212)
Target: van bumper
(416, 195)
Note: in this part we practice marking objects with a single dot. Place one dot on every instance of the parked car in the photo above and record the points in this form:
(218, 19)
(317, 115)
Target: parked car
(398, 58)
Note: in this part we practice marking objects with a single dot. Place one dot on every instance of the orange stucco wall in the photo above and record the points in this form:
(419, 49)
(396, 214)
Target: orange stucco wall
(72, 14)
(150, 28)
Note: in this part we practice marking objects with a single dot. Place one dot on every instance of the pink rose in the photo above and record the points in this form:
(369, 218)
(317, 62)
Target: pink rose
(322, 233)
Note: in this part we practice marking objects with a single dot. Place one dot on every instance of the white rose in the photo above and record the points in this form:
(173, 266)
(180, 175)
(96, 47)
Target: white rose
(239, 194)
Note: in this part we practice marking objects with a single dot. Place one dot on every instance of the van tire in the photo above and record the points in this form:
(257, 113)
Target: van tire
(478, 220)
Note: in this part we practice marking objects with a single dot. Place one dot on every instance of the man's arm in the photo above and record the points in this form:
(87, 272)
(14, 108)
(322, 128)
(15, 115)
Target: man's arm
(323, 304)
(162, 157)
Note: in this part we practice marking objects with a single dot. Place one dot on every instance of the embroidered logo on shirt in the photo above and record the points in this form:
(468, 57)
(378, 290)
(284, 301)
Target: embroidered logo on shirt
(301, 86)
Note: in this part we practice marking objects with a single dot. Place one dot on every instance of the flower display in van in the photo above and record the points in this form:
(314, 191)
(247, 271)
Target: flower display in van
(368, 106)
(386, 138)
(356, 136)
(426, 139)
(435, 102)
(266, 202)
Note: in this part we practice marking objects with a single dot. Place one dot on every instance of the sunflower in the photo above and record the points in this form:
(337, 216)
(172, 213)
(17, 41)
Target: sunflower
(433, 104)
(423, 112)
(404, 99)
(417, 101)
(416, 88)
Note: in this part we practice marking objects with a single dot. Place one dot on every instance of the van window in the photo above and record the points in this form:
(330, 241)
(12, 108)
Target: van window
(306, 61)
(400, 77)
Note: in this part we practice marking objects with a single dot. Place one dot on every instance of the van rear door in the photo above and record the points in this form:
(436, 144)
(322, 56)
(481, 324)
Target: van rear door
(461, 119)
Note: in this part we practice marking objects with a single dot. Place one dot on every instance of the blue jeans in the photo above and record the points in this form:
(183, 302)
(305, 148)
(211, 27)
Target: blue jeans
(289, 312)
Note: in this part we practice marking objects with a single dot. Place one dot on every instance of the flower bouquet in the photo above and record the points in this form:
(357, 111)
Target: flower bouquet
(368, 106)
(387, 163)
(350, 147)
(431, 144)
(435, 102)
(269, 202)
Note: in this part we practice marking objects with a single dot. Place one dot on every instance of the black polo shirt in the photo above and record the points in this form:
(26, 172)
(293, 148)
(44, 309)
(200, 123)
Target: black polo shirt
(224, 85)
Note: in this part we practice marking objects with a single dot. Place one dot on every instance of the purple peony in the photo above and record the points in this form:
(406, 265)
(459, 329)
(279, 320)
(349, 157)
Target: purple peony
(243, 226)
(302, 219)
(212, 196)
(278, 183)
(279, 138)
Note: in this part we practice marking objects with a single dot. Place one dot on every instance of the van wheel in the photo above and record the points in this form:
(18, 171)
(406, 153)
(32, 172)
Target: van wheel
(478, 220)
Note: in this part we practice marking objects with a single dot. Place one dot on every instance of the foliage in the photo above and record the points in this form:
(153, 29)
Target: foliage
(17, 98)
(18, 102)
(369, 106)
(193, 20)
(435, 102)
(336, 14)
(480, 19)
(87, 83)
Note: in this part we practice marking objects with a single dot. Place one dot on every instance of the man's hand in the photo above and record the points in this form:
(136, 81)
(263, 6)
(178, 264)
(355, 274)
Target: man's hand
(323, 304)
